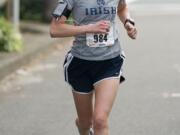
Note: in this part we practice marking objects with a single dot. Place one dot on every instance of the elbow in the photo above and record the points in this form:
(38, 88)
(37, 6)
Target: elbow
(53, 29)
(56, 29)
(52, 33)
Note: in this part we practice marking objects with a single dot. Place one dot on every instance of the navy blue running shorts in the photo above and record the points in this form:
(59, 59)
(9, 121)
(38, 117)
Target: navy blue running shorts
(82, 75)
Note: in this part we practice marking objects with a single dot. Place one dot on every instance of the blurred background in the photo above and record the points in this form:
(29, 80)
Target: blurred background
(34, 10)
(12, 12)
(35, 100)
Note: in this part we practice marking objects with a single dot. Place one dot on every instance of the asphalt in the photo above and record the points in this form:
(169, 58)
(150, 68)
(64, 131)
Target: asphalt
(36, 40)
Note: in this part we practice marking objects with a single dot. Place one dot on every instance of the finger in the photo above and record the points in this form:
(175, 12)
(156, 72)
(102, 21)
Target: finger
(132, 31)
(107, 23)
(135, 33)
(107, 30)
(129, 26)
(104, 27)
(132, 35)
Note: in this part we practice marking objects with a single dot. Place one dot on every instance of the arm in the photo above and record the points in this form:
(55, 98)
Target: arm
(59, 28)
(123, 14)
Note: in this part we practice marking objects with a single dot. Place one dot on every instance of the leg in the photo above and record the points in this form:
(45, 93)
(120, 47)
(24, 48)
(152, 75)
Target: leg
(84, 107)
(105, 93)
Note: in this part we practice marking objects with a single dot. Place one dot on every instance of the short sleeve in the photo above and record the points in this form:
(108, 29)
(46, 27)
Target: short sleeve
(70, 4)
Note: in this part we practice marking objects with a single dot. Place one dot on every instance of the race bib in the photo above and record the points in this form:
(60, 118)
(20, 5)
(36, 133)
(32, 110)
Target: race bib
(100, 40)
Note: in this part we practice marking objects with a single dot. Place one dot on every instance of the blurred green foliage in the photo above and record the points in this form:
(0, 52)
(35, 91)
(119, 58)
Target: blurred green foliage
(35, 10)
(10, 40)
(31, 10)
(2, 11)
(38, 10)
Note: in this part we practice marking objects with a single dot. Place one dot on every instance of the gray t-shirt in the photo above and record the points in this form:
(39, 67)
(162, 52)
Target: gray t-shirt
(91, 11)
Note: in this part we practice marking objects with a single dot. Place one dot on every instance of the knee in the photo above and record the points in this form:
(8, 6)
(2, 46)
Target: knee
(100, 122)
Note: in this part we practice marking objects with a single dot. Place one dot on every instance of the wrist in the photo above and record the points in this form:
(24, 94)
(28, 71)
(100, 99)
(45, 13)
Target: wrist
(87, 28)
(83, 29)
(129, 20)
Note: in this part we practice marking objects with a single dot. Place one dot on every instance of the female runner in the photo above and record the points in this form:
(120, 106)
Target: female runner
(93, 65)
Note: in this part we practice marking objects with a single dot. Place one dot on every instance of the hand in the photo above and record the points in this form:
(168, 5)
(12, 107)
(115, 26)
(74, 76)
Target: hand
(99, 27)
(131, 30)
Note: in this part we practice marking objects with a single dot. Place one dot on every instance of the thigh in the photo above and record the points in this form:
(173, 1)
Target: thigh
(84, 105)
(105, 94)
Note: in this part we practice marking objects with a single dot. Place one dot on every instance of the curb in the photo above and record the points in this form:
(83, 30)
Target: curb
(10, 62)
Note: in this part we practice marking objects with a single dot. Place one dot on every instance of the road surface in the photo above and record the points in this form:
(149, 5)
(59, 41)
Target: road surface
(35, 100)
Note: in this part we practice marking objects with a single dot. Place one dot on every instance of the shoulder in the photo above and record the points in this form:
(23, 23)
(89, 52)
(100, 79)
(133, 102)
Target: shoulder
(70, 3)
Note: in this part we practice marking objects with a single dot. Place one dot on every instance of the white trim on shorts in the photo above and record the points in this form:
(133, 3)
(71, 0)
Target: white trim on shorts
(82, 93)
(113, 77)
(69, 59)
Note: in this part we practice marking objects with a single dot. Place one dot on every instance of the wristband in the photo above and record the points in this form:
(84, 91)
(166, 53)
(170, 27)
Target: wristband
(130, 21)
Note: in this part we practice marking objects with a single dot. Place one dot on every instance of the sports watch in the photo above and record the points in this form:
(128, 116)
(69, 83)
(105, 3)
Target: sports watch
(128, 20)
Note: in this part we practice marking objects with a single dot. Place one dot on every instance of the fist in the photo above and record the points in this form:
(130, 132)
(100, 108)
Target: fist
(99, 27)
(131, 30)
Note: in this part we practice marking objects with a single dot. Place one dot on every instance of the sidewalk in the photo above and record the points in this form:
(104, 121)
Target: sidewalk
(36, 40)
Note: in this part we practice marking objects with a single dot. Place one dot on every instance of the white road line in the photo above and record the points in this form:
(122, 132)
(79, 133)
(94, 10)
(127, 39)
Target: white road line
(152, 9)
(175, 95)
(171, 95)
